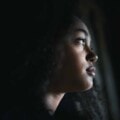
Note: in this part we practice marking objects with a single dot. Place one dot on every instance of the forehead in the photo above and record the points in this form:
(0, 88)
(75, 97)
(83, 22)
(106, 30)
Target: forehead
(76, 27)
(79, 25)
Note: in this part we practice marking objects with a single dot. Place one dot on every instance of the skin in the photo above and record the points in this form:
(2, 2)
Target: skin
(72, 75)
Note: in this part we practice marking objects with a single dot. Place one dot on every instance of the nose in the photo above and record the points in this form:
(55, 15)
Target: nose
(91, 56)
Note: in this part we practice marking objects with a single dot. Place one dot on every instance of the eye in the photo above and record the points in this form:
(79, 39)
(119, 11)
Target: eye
(80, 41)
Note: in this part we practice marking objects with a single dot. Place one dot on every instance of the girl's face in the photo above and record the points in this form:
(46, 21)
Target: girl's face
(76, 69)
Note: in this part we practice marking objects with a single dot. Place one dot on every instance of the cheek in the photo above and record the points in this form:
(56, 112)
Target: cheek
(75, 61)
(77, 57)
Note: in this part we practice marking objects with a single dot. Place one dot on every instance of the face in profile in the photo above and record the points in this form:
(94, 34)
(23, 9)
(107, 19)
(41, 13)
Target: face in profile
(76, 69)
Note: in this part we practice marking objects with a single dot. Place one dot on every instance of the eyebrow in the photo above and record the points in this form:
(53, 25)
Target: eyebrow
(81, 30)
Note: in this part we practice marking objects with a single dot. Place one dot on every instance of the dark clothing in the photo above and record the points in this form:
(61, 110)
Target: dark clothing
(41, 114)
(70, 108)
(23, 115)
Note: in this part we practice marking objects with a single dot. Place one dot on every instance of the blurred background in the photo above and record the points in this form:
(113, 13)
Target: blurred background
(106, 25)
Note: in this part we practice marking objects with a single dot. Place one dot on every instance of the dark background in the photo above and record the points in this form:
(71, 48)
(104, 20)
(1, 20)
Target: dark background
(111, 10)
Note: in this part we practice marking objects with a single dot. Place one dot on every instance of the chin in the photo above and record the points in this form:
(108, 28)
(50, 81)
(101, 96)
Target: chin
(84, 86)
(88, 88)
(88, 85)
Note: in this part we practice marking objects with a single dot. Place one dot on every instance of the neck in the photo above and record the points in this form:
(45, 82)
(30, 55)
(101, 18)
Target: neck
(52, 100)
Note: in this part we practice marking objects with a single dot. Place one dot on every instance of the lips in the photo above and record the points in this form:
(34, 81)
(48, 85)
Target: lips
(91, 71)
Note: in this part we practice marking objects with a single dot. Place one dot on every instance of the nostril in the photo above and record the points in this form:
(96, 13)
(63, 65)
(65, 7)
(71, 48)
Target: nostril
(92, 57)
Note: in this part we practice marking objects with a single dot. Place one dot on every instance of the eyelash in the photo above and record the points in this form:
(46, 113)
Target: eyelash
(78, 40)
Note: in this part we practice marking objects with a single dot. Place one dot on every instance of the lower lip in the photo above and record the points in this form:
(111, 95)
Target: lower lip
(91, 73)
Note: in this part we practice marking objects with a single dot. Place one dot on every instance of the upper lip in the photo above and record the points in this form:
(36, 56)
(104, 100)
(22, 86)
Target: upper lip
(91, 69)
